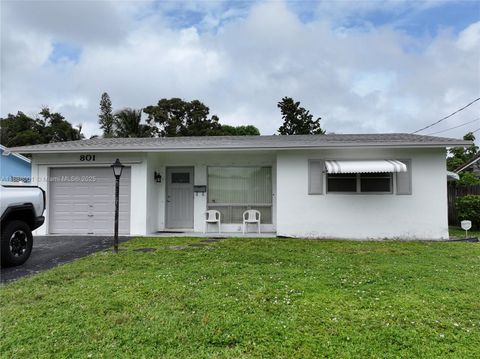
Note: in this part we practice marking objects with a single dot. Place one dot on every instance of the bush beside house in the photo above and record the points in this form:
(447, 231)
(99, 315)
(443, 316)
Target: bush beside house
(468, 207)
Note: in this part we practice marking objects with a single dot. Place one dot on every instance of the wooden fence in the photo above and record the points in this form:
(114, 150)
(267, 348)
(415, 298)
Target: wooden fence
(454, 192)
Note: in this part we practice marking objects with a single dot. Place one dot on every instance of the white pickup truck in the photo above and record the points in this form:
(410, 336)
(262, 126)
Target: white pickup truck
(21, 209)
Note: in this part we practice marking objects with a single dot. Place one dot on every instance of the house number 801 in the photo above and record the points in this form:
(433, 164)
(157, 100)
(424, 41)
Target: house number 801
(87, 157)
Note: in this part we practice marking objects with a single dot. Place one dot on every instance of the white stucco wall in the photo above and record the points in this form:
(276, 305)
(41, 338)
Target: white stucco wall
(421, 215)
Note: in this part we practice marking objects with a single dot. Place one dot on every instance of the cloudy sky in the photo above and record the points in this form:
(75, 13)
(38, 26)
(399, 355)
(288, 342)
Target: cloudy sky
(379, 66)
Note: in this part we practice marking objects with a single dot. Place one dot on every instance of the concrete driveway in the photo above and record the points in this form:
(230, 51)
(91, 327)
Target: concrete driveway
(50, 251)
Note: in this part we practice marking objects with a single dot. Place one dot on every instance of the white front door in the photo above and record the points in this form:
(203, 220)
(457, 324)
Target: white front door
(179, 197)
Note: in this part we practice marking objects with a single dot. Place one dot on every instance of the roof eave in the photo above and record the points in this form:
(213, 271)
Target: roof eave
(242, 148)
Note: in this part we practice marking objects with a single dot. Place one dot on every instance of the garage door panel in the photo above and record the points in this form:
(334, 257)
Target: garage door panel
(102, 190)
(88, 207)
(72, 226)
(66, 208)
(72, 216)
(109, 207)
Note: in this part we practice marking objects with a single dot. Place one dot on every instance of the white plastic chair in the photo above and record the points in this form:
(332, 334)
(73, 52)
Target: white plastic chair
(212, 216)
(251, 216)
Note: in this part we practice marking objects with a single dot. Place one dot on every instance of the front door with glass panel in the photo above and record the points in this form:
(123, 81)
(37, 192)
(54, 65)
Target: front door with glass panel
(179, 206)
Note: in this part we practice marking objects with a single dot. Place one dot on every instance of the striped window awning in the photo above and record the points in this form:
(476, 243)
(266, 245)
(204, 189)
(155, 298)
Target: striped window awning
(374, 166)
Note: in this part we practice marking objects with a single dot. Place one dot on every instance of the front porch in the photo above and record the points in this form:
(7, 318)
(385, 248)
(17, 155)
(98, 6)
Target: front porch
(214, 234)
(181, 187)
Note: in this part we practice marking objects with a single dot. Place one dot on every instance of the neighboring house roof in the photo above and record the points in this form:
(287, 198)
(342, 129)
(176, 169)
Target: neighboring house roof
(382, 140)
(7, 152)
(467, 164)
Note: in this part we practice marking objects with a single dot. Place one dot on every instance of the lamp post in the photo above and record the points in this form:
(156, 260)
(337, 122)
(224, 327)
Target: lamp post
(117, 172)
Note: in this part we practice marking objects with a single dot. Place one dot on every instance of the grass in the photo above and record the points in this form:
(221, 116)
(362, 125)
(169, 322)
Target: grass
(251, 298)
(458, 232)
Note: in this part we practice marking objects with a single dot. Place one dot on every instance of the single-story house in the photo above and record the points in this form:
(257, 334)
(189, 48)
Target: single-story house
(13, 166)
(355, 186)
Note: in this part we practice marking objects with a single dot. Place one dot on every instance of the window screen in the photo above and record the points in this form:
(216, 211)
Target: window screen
(233, 190)
(342, 182)
(375, 182)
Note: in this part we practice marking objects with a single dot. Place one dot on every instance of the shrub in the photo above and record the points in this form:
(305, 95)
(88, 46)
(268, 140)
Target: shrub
(468, 179)
(468, 207)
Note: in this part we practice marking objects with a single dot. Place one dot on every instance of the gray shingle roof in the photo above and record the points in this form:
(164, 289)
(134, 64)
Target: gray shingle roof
(243, 142)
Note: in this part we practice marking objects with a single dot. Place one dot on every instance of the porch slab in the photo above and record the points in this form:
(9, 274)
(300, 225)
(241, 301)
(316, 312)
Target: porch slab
(214, 234)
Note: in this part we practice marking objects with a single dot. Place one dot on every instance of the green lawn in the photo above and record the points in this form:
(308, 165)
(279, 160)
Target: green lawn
(458, 232)
(259, 298)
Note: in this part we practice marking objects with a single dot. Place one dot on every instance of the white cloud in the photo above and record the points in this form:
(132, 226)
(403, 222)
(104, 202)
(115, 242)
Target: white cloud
(78, 21)
(375, 80)
(469, 39)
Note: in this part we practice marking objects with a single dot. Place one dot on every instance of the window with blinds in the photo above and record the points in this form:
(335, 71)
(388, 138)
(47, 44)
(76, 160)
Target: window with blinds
(233, 190)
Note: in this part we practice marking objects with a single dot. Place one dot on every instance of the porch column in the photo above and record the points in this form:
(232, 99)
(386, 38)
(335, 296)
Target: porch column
(138, 206)
(200, 199)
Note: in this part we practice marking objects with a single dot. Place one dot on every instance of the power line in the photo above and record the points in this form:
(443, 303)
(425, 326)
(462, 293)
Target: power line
(444, 118)
(454, 127)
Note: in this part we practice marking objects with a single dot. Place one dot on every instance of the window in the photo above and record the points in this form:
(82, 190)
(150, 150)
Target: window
(375, 182)
(359, 182)
(342, 182)
(181, 177)
(233, 190)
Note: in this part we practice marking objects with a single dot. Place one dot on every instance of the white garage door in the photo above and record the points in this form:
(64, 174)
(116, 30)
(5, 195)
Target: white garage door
(82, 201)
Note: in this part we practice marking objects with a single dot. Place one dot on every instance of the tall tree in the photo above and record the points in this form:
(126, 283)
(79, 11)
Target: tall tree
(22, 130)
(297, 120)
(127, 123)
(105, 117)
(176, 117)
(460, 155)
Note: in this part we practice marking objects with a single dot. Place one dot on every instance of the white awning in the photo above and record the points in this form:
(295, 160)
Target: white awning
(365, 166)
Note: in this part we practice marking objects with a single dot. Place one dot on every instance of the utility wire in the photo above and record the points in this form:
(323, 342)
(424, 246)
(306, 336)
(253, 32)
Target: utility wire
(454, 127)
(444, 118)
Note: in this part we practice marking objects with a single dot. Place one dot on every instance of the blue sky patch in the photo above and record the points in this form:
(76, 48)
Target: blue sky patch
(415, 18)
(64, 52)
(455, 15)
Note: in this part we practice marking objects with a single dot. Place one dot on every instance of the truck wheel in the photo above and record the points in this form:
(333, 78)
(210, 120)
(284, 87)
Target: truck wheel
(16, 243)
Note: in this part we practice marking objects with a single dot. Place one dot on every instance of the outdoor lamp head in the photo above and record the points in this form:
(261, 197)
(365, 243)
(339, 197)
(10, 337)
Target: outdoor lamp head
(117, 168)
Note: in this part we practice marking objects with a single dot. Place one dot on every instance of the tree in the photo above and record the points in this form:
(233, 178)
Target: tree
(297, 120)
(22, 130)
(460, 155)
(249, 130)
(127, 123)
(57, 129)
(105, 117)
(176, 117)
